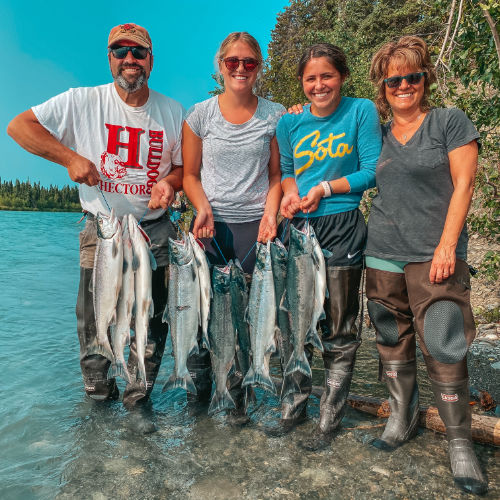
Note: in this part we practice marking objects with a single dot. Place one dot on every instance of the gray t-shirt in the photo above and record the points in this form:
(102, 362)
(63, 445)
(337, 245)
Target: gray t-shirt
(235, 158)
(415, 187)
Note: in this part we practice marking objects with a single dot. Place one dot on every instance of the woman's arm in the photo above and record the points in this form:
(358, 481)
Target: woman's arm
(463, 166)
(268, 226)
(290, 204)
(191, 154)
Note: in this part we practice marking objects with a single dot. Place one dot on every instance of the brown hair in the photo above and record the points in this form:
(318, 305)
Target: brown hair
(335, 56)
(244, 37)
(410, 51)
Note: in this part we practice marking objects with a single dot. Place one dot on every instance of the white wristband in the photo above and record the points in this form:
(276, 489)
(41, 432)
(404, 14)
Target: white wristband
(326, 188)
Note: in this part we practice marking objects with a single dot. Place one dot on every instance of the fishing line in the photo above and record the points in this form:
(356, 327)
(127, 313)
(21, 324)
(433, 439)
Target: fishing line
(248, 253)
(103, 197)
(220, 251)
(174, 222)
(143, 215)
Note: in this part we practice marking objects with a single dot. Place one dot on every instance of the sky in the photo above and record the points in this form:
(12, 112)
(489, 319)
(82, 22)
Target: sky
(51, 46)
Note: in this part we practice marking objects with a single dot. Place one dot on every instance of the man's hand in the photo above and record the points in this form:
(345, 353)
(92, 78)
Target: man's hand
(267, 228)
(162, 195)
(203, 226)
(290, 205)
(83, 171)
(310, 202)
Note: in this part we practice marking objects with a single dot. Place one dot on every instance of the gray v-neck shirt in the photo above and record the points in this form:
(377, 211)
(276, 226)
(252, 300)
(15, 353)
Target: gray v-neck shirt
(415, 187)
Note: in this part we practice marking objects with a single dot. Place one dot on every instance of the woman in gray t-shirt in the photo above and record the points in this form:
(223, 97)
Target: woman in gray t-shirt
(417, 278)
(232, 177)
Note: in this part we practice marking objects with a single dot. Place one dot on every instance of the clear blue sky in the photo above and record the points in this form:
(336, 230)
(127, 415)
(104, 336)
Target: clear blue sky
(51, 46)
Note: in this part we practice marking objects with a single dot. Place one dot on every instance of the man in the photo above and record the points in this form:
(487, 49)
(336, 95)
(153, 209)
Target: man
(122, 143)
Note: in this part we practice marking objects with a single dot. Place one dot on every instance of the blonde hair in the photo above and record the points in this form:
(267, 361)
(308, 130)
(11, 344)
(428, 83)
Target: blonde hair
(409, 51)
(234, 37)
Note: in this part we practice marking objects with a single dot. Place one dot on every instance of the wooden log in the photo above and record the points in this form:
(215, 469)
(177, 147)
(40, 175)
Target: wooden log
(485, 429)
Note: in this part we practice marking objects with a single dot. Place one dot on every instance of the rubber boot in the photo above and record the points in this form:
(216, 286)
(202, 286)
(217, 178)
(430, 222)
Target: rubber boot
(452, 401)
(294, 405)
(340, 338)
(402, 425)
(137, 393)
(200, 369)
(94, 367)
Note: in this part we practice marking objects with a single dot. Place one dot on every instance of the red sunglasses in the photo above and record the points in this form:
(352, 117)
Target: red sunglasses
(233, 63)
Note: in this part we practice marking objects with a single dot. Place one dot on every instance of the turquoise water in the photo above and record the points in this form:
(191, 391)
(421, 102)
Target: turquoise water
(57, 443)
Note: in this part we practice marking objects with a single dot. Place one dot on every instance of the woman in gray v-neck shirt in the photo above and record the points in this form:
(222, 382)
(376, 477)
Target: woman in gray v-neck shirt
(417, 278)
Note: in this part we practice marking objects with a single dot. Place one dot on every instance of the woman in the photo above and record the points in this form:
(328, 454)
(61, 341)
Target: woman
(417, 277)
(328, 157)
(232, 174)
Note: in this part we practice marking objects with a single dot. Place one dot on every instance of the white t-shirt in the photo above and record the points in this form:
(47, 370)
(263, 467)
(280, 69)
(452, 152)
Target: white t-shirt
(131, 147)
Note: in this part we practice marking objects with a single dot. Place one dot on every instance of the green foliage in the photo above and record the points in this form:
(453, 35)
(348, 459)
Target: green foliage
(27, 196)
(490, 266)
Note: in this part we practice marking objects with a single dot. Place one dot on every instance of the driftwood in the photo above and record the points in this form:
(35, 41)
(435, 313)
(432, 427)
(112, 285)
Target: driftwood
(485, 429)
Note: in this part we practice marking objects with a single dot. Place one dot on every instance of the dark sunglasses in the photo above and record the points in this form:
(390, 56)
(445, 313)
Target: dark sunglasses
(233, 63)
(412, 79)
(121, 52)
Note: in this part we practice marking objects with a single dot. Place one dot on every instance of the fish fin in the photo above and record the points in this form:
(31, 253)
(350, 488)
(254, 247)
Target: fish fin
(272, 345)
(114, 249)
(104, 350)
(327, 293)
(262, 380)
(166, 317)
(119, 369)
(298, 365)
(221, 401)
(246, 317)
(315, 260)
(284, 302)
(195, 349)
(141, 374)
(152, 260)
(289, 386)
(326, 253)
(205, 342)
(151, 309)
(125, 266)
(185, 382)
(312, 338)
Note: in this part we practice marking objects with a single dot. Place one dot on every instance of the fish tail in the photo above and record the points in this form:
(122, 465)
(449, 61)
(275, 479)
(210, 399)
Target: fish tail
(185, 382)
(141, 373)
(298, 365)
(258, 379)
(289, 386)
(204, 340)
(312, 338)
(101, 349)
(119, 369)
(221, 401)
(249, 396)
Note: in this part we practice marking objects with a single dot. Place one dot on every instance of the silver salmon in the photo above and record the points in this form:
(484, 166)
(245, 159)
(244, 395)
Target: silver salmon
(143, 263)
(120, 333)
(205, 287)
(106, 281)
(222, 338)
(182, 312)
(299, 299)
(261, 315)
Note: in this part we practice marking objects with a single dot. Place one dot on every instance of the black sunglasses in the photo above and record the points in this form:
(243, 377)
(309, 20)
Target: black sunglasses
(412, 79)
(121, 52)
(233, 63)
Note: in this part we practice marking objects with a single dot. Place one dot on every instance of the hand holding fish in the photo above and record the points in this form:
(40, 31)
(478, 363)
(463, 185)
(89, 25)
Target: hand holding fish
(310, 202)
(267, 228)
(204, 224)
(83, 171)
(162, 195)
(290, 204)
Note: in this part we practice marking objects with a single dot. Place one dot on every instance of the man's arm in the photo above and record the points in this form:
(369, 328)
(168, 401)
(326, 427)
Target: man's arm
(30, 134)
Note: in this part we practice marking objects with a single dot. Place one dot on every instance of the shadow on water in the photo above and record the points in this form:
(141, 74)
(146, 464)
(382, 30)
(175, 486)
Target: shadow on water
(57, 443)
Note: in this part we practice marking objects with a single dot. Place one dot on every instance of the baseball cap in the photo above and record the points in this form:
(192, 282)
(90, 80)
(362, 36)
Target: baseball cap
(132, 32)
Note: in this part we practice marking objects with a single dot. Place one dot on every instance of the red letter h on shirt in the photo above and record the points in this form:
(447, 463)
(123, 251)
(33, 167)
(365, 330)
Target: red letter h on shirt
(132, 145)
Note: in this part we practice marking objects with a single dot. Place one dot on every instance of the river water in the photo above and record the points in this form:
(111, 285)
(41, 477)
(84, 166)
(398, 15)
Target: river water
(57, 443)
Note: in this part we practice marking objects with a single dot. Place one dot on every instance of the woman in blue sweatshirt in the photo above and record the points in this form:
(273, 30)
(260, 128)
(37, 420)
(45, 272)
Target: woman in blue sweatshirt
(328, 158)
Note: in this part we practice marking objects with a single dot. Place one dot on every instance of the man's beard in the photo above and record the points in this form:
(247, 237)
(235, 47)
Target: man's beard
(130, 87)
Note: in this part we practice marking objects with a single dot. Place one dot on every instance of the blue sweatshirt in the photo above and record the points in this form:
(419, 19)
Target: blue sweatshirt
(346, 143)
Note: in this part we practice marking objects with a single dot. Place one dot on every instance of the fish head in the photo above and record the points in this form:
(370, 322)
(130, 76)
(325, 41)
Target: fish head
(221, 277)
(180, 251)
(278, 251)
(238, 275)
(300, 239)
(107, 225)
